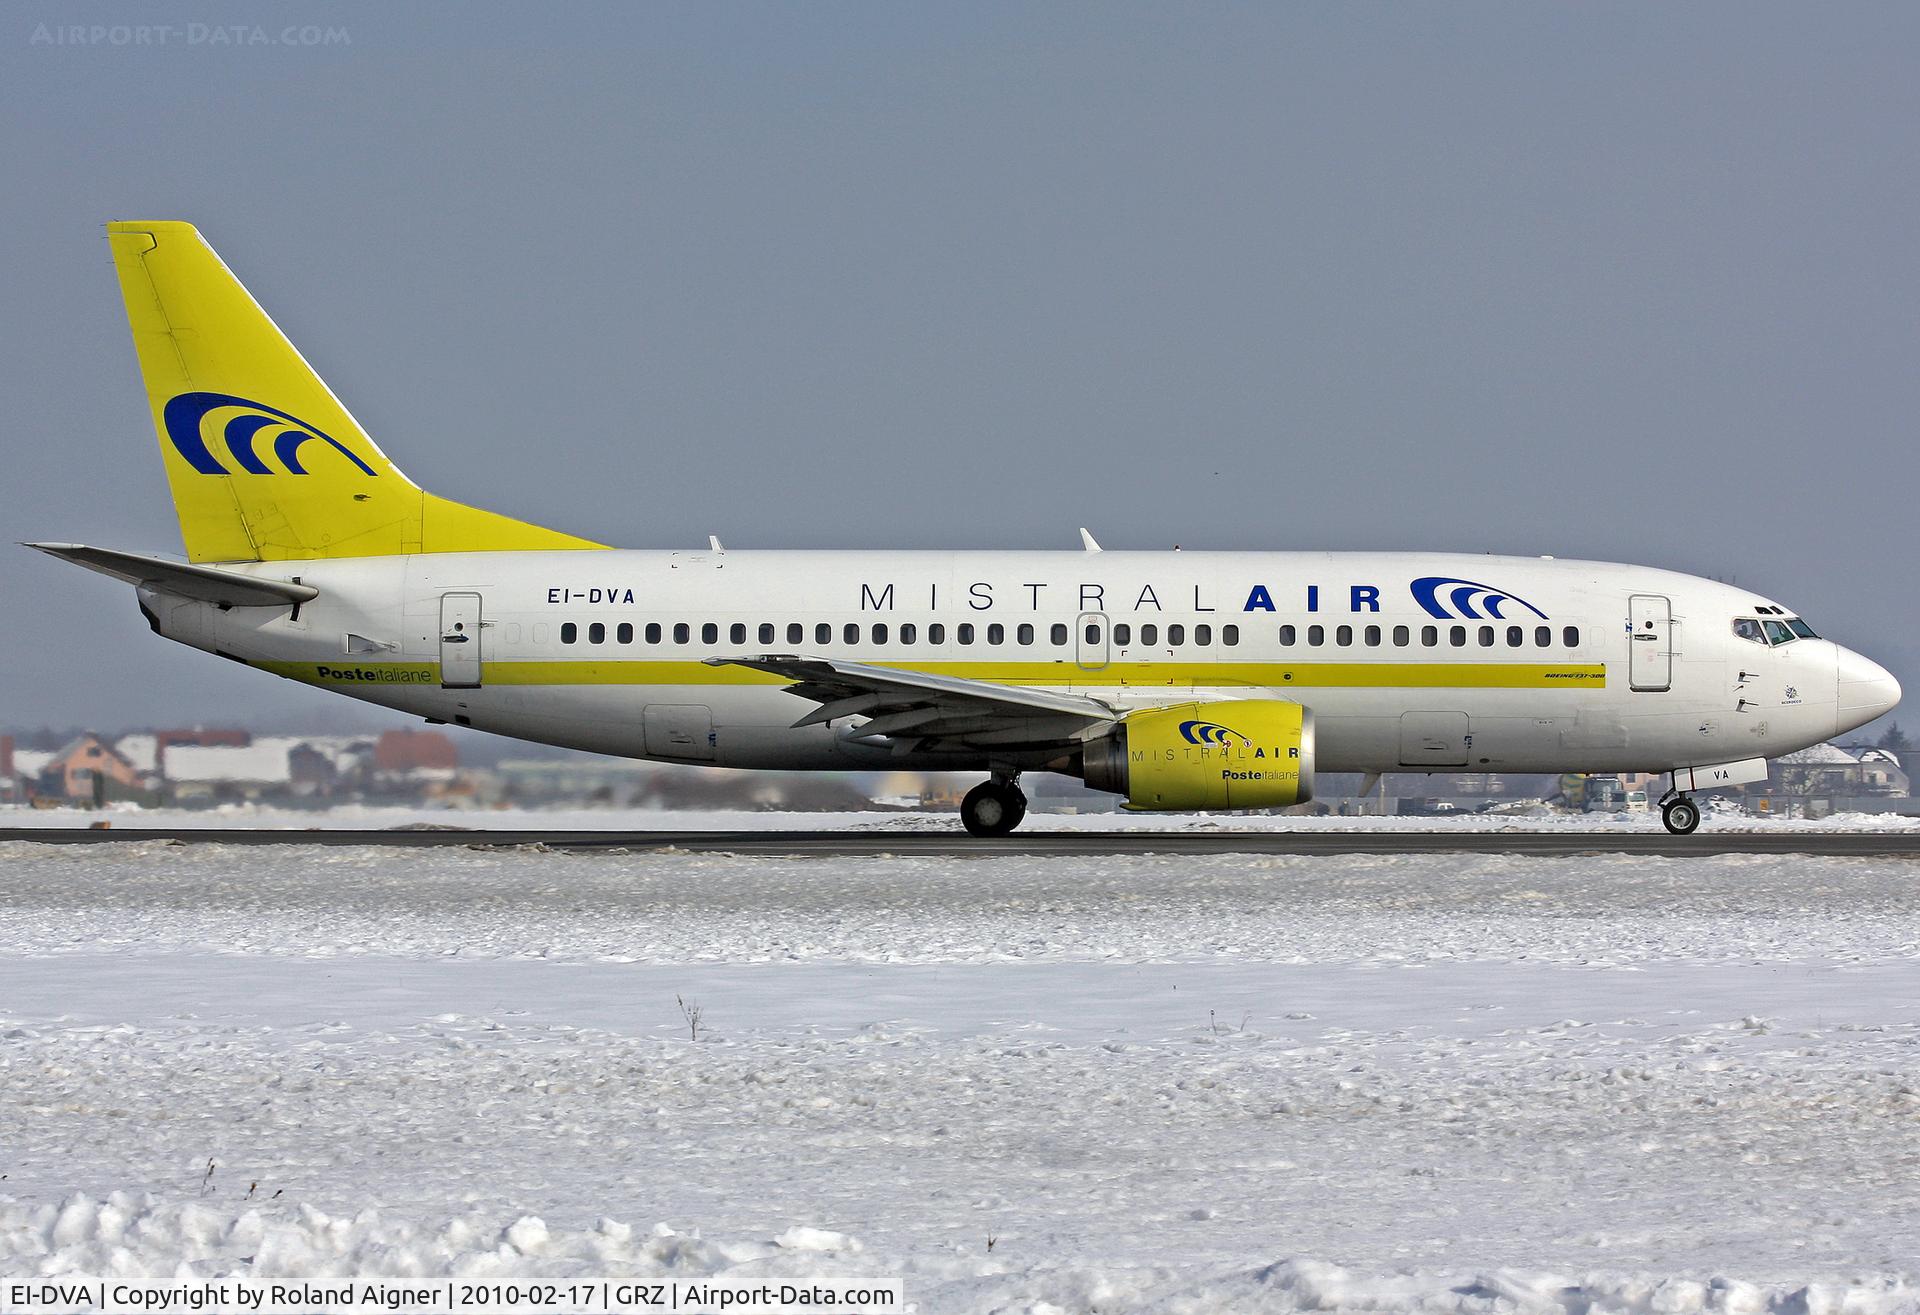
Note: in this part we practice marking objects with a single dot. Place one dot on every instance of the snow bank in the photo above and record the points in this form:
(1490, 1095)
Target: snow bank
(350, 817)
(692, 908)
(130, 1236)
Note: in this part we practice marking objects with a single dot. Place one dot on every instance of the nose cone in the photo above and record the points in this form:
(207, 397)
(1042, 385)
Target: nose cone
(1866, 689)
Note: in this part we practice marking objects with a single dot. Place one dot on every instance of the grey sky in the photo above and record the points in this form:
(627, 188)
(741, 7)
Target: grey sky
(1636, 282)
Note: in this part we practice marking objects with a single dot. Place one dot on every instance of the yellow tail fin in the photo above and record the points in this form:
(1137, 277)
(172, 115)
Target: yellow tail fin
(264, 462)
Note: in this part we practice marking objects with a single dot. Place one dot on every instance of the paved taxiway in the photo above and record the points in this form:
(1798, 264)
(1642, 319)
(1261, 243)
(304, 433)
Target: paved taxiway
(957, 844)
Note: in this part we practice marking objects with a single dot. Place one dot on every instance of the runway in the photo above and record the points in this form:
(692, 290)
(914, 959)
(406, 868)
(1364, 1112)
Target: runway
(955, 843)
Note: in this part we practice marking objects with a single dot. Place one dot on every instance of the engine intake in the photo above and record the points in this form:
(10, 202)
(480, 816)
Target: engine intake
(1232, 753)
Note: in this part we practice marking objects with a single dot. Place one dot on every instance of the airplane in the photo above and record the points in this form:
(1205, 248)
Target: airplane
(1176, 680)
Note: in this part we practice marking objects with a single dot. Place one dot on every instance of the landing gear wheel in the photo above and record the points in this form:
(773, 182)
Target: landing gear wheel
(993, 808)
(1681, 815)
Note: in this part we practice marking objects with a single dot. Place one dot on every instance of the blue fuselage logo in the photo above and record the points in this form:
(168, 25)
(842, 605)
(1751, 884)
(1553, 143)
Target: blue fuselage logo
(184, 419)
(1463, 600)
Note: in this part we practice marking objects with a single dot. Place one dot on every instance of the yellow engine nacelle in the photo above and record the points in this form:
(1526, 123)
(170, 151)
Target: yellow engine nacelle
(1236, 753)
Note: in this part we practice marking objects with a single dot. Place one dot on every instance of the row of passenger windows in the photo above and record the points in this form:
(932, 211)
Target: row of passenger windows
(1149, 634)
(1431, 636)
(907, 632)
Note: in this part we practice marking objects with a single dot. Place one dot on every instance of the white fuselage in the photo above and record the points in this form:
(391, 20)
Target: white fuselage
(1428, 662)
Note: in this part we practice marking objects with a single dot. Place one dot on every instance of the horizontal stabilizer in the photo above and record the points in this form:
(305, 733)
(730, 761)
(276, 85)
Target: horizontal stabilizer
(205, 583)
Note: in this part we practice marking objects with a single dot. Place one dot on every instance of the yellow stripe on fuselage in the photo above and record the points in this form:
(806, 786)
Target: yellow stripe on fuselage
(1143, 675)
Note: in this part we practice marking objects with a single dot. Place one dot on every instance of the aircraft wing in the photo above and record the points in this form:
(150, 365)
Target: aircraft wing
(912, 707)
(207, 583)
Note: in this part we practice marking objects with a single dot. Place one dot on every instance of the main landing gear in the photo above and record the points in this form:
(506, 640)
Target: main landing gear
(993, 808)
(1680, 813)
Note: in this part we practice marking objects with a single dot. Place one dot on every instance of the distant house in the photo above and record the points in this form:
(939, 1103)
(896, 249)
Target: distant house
(1827, 769)
(414, 751)
(87, 768)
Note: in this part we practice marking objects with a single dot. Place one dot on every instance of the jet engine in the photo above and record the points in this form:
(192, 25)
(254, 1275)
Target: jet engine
(1233, 753)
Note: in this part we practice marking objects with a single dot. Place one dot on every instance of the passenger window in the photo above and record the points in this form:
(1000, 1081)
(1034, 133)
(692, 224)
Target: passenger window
(964, 632)
(1176, 636)
(1572, 636)
(597, 633)
(879, 632)
(569, 632)
(1777, 632)
(1057, 633)
(1316, 636)
(850, 633)
(1230, 635)
(936, 633)
(1486, 636)
(823, 633)
(1150, 634)
(1122, 634)
(1515, 636)
(737, 633)
(1402, 636)
(909, 632)
(766, 632)
(653, 632)
(1024, 634)
(1203, 635)
(1372, 636)
(1343, 636)
(682, 633)
(625, 633)
(710, 633)
(1287, 634)
(1092, 633)
(796, 633)
(996, 633)
(1429, 636)
(1543, 636)
(1457, 636)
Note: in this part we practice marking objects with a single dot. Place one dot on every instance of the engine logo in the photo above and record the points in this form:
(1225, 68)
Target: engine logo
(1211, 733)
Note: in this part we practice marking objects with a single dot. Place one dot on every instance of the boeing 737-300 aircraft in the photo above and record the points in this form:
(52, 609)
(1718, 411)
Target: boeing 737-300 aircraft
(1178, 680)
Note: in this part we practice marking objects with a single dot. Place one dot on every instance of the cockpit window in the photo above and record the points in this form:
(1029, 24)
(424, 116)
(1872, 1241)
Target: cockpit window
(1777, 632)
(1748, 628)
(1801, 628)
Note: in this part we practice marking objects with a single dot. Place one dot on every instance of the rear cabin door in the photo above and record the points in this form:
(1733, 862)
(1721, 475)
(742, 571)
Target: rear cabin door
(1650, 643)
(459, 641)
(1093, 640)
(1435, 739)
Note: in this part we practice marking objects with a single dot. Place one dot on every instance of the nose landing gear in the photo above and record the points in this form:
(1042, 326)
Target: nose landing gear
(993, 808)
(1679, 813)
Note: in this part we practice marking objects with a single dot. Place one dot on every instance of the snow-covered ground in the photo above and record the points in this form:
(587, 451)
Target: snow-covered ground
(1193, 1084)
(364, 816)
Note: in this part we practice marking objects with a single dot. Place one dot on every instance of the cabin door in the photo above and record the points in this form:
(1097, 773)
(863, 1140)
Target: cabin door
(1650, 643)
(459, 641)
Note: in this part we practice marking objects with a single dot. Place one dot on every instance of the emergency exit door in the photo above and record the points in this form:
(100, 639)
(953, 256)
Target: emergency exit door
(1650, 643)
(459, 641)
(1092, 641)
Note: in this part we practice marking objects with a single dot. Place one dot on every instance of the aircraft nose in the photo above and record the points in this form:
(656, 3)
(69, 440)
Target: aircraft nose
(1866, 689)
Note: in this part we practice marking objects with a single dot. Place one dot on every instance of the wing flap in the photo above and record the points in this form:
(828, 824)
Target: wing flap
(912, 706)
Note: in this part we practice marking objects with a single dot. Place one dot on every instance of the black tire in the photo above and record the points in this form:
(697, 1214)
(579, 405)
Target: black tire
(1682, 817)
(992, 809)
